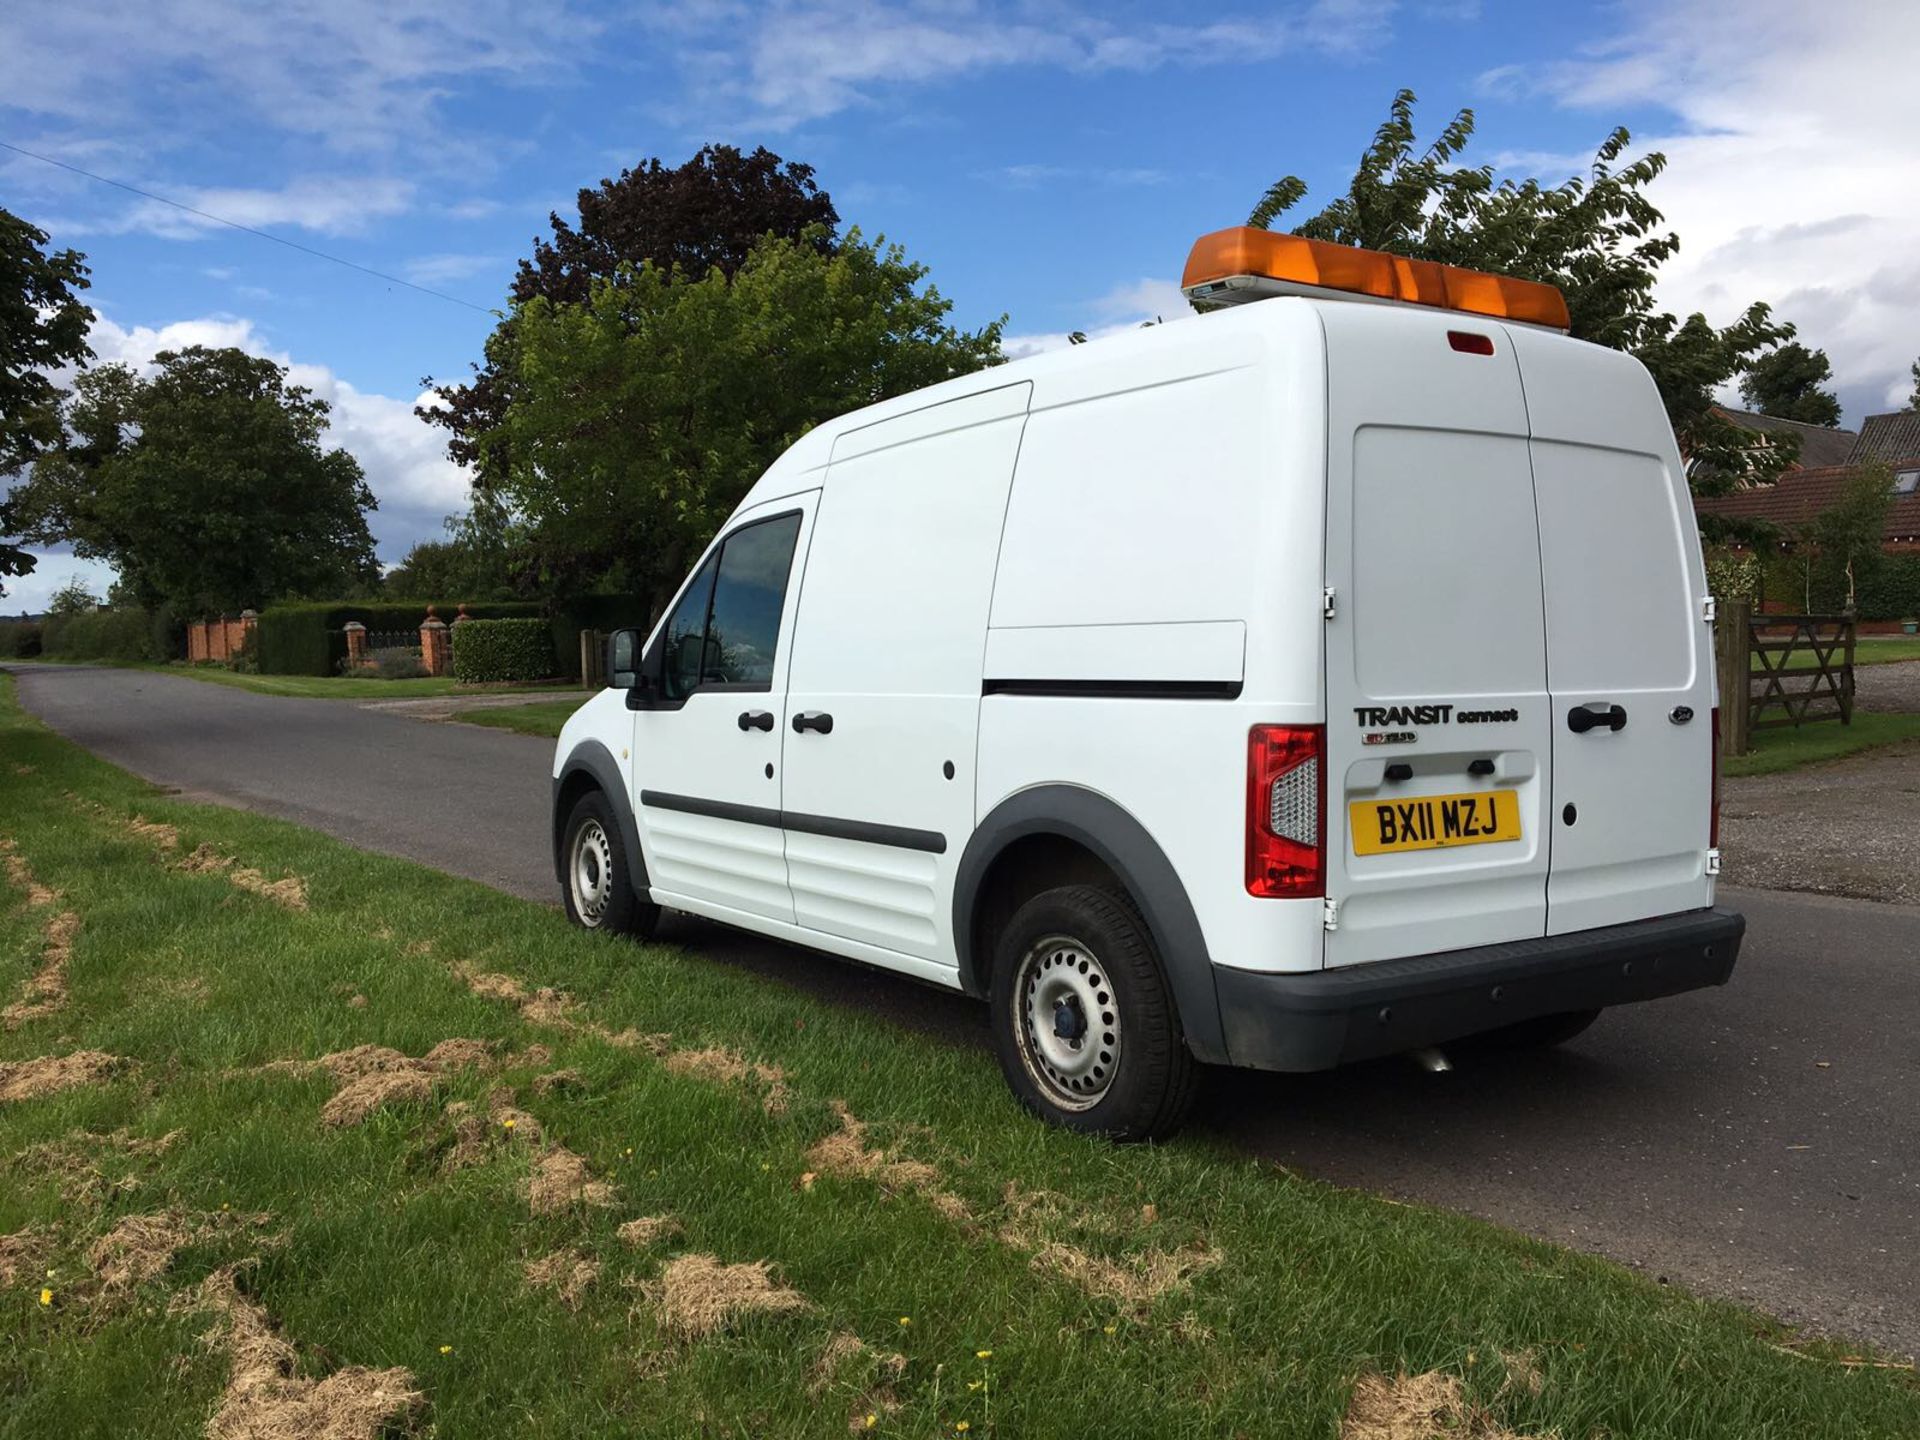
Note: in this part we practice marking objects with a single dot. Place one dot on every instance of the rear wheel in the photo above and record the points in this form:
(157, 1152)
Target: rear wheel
(599, 894)
(1539, 1032)
(1083, 1023)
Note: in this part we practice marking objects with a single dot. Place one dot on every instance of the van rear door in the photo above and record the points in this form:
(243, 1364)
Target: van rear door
(1438, 724)
(1628, 649)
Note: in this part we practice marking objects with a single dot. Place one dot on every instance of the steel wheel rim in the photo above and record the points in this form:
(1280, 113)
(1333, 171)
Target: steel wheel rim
(591, 872)
(1066, 1022)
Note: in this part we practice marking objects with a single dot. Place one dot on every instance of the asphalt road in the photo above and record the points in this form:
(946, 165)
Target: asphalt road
(1759, 1142)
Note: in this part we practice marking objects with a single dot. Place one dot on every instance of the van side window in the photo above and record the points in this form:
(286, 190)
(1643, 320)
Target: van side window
(726, 628)
(686, 634)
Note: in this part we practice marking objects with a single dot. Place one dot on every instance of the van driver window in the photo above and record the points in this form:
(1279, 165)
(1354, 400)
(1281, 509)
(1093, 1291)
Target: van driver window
(685, 633)
(725, 633)
(744, 628)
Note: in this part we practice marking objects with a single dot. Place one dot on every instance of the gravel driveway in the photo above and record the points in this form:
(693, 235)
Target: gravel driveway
(1850, 827)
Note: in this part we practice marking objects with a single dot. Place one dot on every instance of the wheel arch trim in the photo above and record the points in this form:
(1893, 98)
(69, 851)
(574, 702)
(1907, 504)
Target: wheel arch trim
(1108, 831)
(593, 759)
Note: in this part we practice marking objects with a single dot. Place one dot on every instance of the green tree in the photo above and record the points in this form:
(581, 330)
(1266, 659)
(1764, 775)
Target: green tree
(1913, 400)
(1786, 383)
(1849, 535)
(703, 215)
(1598, 238)
(73, 598)
(207, 485)
(456, 568)
(640, 418)
(43, 326)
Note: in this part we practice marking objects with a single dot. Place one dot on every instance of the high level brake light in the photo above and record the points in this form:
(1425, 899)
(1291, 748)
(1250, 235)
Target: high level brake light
(1286, 810)
(1246, 264)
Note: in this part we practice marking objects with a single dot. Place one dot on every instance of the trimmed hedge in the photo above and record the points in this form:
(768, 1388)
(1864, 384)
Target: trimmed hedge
(19, 639)
(309, 637)
(121, 636)
(493, 651)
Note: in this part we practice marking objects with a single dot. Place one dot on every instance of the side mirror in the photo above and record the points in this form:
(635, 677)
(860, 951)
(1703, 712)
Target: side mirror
(623, 659)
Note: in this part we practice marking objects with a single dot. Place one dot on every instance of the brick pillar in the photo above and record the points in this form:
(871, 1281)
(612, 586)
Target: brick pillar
(356, 644)
(436, 644)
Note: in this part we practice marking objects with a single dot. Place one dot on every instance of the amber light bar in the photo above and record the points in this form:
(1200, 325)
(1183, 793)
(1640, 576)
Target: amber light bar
(1230, 265)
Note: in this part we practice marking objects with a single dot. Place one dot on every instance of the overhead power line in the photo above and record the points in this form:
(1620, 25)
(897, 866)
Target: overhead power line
(236, 225)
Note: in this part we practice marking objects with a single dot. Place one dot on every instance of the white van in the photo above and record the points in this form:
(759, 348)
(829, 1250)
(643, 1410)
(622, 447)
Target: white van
(1315, 679)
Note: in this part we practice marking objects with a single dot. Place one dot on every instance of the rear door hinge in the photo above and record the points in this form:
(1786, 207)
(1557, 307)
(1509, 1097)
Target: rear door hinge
(1713, 862)
(1326, 602)
(1330, 913)
(1708, 609)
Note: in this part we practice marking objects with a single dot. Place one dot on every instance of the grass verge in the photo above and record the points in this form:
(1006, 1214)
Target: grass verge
(1788, 748)
(542, 717)
(1869, 650)
(328, 687)
(221, 1210)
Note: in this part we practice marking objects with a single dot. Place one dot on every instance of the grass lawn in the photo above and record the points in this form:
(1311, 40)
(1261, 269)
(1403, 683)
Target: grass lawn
(1870, 650)
(200, 1221)
(1788, 748)
(543, 717)
(333, 687)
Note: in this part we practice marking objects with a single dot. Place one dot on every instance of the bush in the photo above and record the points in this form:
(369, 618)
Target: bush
(118, 636)
(19, 639)
(394, 663)
(308, 638)
(489, 651)
(594, 612)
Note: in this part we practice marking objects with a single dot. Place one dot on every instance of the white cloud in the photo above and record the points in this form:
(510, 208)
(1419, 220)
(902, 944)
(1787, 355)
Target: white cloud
(404, 458)
(361, 75)
(1793, 175)
(789, 64)
(439, 269)
(1126, 307)
(326, 205)
(1032, 177)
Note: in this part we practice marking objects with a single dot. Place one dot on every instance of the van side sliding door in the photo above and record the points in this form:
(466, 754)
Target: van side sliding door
(884, 693)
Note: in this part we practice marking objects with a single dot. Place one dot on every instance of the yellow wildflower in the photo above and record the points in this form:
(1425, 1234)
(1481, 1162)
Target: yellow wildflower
(962, 1426)
(983, 1354)
(906, 1319)
(446, 1349)
(507, 1124)
(1111, 1328)
(872, 1420)
(46, 1296)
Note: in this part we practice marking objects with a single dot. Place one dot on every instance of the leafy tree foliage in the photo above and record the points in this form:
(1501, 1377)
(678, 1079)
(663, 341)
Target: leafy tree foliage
(1786, 383)
(701, 216)
(1598, 238)
(205, 485)
(1847, 536)
(1913, 400)
(43, 326)
(456, 568)
(640, 418)
(73, 598)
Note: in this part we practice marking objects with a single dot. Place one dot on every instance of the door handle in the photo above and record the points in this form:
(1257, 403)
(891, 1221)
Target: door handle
(817, 721)
(1583, 718)
(756, 720)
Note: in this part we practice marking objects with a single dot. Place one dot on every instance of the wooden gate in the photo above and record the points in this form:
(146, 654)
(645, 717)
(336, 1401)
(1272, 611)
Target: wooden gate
(1782, 670)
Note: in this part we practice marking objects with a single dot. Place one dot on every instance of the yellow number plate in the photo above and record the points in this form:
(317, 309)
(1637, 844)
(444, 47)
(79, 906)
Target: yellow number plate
(1433, 822)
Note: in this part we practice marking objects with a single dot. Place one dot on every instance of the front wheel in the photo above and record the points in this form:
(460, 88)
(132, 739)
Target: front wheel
(599, 894)
(1083, 1023)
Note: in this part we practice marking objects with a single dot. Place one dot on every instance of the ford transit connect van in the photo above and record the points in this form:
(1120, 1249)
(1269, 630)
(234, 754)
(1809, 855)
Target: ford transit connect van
(1319, 678)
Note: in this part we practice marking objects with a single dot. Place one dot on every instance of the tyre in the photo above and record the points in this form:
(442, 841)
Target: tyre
(599, 894)
(1083, 1023)
(1539, 1032)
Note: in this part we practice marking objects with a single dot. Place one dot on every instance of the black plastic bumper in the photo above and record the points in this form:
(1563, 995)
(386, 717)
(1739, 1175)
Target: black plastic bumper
(1324, 1018)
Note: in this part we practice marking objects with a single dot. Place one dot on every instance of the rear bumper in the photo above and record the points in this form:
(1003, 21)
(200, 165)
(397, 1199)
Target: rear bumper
(1325, 1018)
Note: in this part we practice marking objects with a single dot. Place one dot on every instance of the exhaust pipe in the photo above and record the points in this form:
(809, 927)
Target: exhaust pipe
(1431, 1059)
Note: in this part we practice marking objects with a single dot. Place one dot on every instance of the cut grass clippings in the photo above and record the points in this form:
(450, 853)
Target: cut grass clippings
(187, 1248)
(1789, 747)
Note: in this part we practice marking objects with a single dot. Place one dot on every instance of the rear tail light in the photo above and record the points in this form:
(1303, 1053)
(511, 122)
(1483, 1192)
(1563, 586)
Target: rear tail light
(1713, 825)
(1286, 810)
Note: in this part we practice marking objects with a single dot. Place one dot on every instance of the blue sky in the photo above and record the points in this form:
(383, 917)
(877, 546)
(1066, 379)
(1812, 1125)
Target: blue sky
(1049, 160)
